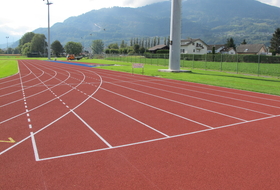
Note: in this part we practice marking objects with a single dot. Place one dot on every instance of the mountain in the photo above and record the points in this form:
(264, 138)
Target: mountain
(211, 20)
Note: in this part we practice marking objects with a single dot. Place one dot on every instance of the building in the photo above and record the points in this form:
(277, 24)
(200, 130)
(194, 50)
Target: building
(158, 47)
(253, 49)
(193, 46)
(218, 48)
(230, 51)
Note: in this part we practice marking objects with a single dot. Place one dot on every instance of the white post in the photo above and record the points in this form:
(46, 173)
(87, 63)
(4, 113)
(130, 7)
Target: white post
(175, 35)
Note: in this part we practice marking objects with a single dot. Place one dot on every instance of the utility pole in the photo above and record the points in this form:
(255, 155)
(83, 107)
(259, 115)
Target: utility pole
(49, 43)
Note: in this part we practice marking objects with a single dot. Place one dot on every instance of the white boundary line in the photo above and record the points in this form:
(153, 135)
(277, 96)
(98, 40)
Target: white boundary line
(175, 101)
(152, 140)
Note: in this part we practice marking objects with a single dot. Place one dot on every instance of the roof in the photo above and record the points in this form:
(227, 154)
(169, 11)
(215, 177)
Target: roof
(250, 48)
(158, 47)
(227, 49)
(189, 41)
(210, 47)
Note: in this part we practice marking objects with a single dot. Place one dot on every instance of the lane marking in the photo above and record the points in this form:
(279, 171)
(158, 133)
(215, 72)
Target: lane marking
(181, 103)
(11, 140)
(99, 136)
(34, 147)
(148, 105)
(131, 117)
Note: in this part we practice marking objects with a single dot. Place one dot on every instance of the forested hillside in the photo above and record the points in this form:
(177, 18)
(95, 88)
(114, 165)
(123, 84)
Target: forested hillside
(211, 20)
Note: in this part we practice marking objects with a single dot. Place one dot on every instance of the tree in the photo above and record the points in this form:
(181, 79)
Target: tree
(26, 38)
(97, 46)
(73, 48)
(123, 45)
(244, 42)
(136, 48)
(26, 48)
(275, 42)
(38, 43)
(57, 48)
(113, 46)
(230, 43)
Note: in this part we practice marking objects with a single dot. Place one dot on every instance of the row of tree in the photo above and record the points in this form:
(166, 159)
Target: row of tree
(32, 43)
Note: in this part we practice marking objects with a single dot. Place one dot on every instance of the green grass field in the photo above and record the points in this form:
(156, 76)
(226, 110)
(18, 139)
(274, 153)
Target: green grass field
(263, 69)
(269, 85)
(8, 68)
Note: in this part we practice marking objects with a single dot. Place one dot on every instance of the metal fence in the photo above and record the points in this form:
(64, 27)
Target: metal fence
(256, 64)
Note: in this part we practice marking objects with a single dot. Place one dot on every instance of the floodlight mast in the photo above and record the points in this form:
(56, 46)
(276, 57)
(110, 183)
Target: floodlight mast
(49, 43)
(175, 34)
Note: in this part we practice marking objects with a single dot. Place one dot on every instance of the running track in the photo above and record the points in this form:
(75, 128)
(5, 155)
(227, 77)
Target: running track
(76, 127)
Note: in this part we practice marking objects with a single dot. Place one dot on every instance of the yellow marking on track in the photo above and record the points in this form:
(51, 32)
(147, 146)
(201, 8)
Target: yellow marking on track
(11, 140)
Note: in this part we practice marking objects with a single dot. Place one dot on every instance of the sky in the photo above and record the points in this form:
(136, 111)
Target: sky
(20, 16)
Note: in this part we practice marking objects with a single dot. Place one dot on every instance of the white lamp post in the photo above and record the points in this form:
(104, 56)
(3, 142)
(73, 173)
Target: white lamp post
(7, 43)
(49, 43)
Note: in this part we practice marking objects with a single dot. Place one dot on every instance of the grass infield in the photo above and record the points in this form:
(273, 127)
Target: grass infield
(268, 85)
(8, 68)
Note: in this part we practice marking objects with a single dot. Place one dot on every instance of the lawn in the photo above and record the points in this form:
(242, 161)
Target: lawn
(264, 69)
(8, 67)
(267, 85)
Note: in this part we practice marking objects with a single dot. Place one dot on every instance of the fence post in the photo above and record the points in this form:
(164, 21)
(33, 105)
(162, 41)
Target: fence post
(259, 65)
(205, 62)
(237, 65)
(221, 62)
(193, 62)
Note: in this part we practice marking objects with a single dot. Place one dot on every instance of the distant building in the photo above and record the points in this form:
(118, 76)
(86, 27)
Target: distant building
(193, 46)
(253, 49)
(158, 47)
(218, 48)
(229, 51)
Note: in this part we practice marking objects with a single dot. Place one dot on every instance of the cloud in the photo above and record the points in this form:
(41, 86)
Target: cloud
(271, 2)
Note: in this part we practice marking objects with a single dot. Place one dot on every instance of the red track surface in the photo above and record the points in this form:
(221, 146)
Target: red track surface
(83, 128)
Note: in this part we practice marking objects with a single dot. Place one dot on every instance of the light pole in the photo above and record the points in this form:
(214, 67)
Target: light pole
(7, 43)
(49, 43)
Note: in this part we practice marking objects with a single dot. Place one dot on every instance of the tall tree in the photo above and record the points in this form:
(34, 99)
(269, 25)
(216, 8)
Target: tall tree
(73, 48)
(123, 45)
(230, 43)
(26, 38)
(38, 43)
(26, 48)
(97, 46)
(57, 48)
(275, 42)
(244, 42)
(113, 46)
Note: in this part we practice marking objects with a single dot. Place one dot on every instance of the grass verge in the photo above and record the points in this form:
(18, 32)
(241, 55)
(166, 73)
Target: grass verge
(266, 85)
(8, 68)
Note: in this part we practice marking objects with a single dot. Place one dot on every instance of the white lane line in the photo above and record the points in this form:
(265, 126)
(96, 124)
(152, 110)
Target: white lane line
(34, 147)
(229, 105)
(99, 136)
(160, 109)
(149, 141)
(131, 117)
(183, 85)
(30, 126)
(175, 101)
(241, 100)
